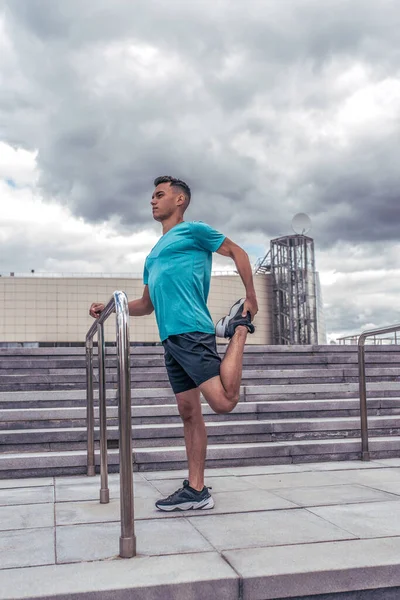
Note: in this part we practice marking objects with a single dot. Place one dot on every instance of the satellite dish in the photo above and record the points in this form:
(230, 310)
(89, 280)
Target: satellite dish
(301, 223)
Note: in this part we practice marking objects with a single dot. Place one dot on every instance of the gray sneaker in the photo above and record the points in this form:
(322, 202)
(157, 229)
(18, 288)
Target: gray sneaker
(186, 498)
(225, 328)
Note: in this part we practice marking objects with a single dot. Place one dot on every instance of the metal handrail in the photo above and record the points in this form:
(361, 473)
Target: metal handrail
(363, 386)
(377, 342)
(119, 305)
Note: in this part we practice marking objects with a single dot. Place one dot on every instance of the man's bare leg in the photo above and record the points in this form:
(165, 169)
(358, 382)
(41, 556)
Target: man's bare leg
(189, 407)
(232, 364)
(223, 392)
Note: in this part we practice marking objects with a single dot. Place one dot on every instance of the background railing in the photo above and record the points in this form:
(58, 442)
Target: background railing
(375, 340)
(119, 305)
(363, 385)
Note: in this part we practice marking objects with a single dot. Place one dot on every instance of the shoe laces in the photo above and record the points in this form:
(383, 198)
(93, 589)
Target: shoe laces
(184, 486)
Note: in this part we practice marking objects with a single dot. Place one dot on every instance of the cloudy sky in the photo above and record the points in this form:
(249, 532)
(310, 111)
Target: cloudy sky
(266, 108)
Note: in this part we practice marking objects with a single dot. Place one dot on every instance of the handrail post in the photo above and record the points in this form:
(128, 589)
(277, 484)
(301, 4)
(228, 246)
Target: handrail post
(104, 491)
(127, 542)
(90, 408)
(119, 305)
(365, 455)
(363, 399)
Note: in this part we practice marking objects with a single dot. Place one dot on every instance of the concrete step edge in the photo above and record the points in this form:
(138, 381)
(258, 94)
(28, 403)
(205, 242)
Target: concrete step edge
(154, 577)
(214, 425)
(12, 415)
(256, 370)
(211, 447)
(281, 571)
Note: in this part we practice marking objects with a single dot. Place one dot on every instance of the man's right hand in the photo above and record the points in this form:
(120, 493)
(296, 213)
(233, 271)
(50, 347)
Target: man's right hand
(95, 309)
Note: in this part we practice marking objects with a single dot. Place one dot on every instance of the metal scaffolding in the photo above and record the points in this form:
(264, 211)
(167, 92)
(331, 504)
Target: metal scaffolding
(291, 262)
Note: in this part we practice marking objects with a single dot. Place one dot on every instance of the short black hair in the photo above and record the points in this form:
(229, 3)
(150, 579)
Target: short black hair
(174, 183)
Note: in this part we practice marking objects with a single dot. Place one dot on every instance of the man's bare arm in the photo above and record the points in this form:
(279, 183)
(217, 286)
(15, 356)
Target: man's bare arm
(143, 306)
(242, 262)
(137, 308)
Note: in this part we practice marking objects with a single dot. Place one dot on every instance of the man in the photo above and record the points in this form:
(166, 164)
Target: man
(177, 277)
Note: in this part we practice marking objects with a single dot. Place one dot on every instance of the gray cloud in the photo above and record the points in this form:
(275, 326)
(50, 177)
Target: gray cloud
(103, 131)
(254, 105)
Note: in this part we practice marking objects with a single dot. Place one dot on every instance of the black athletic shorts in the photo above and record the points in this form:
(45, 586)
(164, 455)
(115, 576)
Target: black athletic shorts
(191, 359)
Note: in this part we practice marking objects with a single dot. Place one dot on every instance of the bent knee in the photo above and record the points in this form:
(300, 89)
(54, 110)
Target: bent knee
(226, 404)
(223, 410)
(233, 398)
(236, 398)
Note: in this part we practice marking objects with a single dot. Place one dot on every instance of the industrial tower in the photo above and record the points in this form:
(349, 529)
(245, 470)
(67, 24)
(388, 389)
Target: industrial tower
(291, 263)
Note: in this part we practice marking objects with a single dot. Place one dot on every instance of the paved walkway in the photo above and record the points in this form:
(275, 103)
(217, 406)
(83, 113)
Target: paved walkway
(276, 532)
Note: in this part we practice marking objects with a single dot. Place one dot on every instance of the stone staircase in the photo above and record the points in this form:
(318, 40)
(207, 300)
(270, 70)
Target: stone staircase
(298, 404)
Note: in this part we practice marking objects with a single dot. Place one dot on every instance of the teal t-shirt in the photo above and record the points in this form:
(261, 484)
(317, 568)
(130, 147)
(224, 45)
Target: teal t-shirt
(178, 273)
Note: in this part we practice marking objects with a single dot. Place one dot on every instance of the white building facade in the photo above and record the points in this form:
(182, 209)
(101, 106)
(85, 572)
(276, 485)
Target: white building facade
(44, 309)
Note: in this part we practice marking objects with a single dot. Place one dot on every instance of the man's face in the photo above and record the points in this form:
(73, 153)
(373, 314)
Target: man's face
(164, 202)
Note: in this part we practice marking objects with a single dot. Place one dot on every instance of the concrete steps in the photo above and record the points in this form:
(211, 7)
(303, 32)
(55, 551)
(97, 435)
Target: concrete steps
(73, 462)
(297, 404)
(13, 415)
(53, 441)
(76, 379)
(171, 434)
(164, 395)
(64, 368)
(343, 569)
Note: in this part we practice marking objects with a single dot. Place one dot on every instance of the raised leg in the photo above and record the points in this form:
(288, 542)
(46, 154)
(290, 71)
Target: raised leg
(222, 392)
(195, 435)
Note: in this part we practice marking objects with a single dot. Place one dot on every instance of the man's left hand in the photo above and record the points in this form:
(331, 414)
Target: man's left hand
(250, 306)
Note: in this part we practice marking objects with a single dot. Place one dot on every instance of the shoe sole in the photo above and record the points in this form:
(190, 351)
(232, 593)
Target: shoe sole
(223, 323)
(220, 327)
(203, 505)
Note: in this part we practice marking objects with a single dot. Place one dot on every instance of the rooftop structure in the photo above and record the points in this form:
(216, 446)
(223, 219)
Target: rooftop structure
(291, 263)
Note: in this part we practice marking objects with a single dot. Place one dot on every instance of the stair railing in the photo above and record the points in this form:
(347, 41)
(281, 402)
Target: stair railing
(118, 304)
(363, 386)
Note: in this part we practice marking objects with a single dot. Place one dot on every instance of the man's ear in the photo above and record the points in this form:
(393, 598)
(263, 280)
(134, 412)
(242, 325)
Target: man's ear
(180, 200)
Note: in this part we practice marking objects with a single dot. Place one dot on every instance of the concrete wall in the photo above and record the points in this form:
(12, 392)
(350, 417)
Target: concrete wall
(55, 309)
